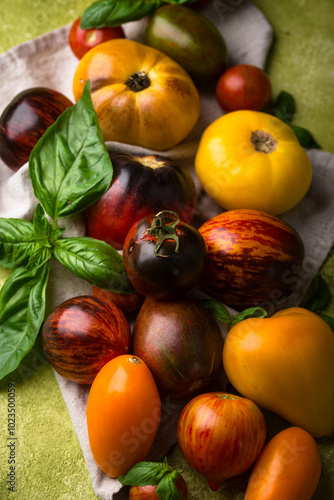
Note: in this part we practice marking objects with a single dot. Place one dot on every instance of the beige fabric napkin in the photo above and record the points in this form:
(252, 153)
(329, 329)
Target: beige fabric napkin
(48, 61)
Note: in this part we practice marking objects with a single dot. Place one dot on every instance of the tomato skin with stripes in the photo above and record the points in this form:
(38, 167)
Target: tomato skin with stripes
(82, 334)
(254, 258)
(220, 435)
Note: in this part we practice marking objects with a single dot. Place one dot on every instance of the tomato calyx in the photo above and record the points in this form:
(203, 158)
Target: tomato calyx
(263, 142)
(163, 231)
(134, 360)
(138, 81)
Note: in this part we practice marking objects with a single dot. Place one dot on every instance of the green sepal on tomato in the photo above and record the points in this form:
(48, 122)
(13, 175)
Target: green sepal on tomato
(163, 256)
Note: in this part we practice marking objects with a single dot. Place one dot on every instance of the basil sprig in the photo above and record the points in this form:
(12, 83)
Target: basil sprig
(103, 13)
(70, 169)
(222, 314)
(285, 109)
(154, 473)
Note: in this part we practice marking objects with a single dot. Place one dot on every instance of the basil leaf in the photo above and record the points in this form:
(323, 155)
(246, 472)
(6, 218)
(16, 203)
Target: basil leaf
(305, 137)
(218, 309)
(42, 227)
(166, 489)
(115, 12)
(144, 473)
(94, 261)
(285, 107)
(252, 312)
(22, 307)
(70, 166)
(16, 242)
(40, 255)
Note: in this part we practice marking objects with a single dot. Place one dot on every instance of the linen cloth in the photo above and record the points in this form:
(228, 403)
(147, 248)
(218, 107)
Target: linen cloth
(48, 61)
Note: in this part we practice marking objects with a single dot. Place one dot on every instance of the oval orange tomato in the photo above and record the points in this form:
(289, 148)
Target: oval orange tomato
(220, 435)
(288, 468)
(123, 414)
(140, 95)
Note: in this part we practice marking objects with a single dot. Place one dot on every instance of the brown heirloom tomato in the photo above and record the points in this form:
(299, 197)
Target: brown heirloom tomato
(140, 95)
(163, 256)
(123, 414)
(220, 435)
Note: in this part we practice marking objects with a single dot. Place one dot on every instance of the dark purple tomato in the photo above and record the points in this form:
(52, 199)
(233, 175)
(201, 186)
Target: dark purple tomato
(163, 256)
(141, 186)
(24, 121)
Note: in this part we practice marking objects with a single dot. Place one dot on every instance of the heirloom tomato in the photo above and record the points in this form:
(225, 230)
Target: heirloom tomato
(127, 302)
(250, 159)
(82, 40)
(163, 256)
(243, 87)
(284, 363)
(181, 343)
(141, 96)
(220, 435)
(141, 185)
(123, 414)
(189, 38)
(253, 258)
(288, 468)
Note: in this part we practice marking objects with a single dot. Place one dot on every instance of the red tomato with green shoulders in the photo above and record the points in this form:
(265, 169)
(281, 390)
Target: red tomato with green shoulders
(81, 41)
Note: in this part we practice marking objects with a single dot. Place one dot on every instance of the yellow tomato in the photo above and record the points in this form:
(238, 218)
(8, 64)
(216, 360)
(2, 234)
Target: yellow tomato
(140, 95)
(250, 159)
(285, 364)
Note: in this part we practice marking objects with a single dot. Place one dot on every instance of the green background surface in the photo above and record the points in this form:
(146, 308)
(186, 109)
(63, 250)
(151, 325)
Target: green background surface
(50, 464)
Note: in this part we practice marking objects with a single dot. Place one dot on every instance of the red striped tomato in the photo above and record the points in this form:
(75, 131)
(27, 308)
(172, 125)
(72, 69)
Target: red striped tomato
(254, 258)
(220, 435)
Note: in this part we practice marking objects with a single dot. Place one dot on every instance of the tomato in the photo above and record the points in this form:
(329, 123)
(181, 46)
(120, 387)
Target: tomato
(189, 38)
(288, 467)
(181, 343)
(25, 119)
(82, 334)
(220, 435)
(141, 185)
(140, 95)
(284, 363)
(243, 87)
(253, 258)
(123, 414)
(81, 41)
(127, 302)
(250, 159)
(148, 492)
(163, 256)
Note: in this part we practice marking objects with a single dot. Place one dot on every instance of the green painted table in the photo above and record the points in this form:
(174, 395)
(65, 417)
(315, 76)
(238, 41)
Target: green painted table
(50, 464)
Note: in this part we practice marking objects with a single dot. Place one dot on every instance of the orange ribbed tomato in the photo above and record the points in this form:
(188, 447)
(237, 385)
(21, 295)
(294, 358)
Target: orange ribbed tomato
(123, 414)
(140, 95)
(288, 468)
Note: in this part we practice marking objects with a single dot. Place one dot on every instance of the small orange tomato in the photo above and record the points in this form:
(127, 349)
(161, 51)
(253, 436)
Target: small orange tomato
(123, 414)
(288, 468)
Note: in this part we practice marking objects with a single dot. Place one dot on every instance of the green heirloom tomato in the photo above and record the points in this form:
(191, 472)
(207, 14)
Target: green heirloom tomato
(190, 39)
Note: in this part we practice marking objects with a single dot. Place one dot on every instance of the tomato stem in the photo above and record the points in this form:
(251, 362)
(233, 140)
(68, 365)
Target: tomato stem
(263, 142)
(138, 81)
(164, 231)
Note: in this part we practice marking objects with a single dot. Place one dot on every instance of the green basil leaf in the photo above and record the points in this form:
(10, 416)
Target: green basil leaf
(42, 227)
(94, 261)
(305, 137)
(70, 167)
(285, 107)
(39, 256)
(22, 308)
(166, 489)
(16, 242)
(144, 473)
(115, 12)
(329, 320)
(252, 312)
(218, 309)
